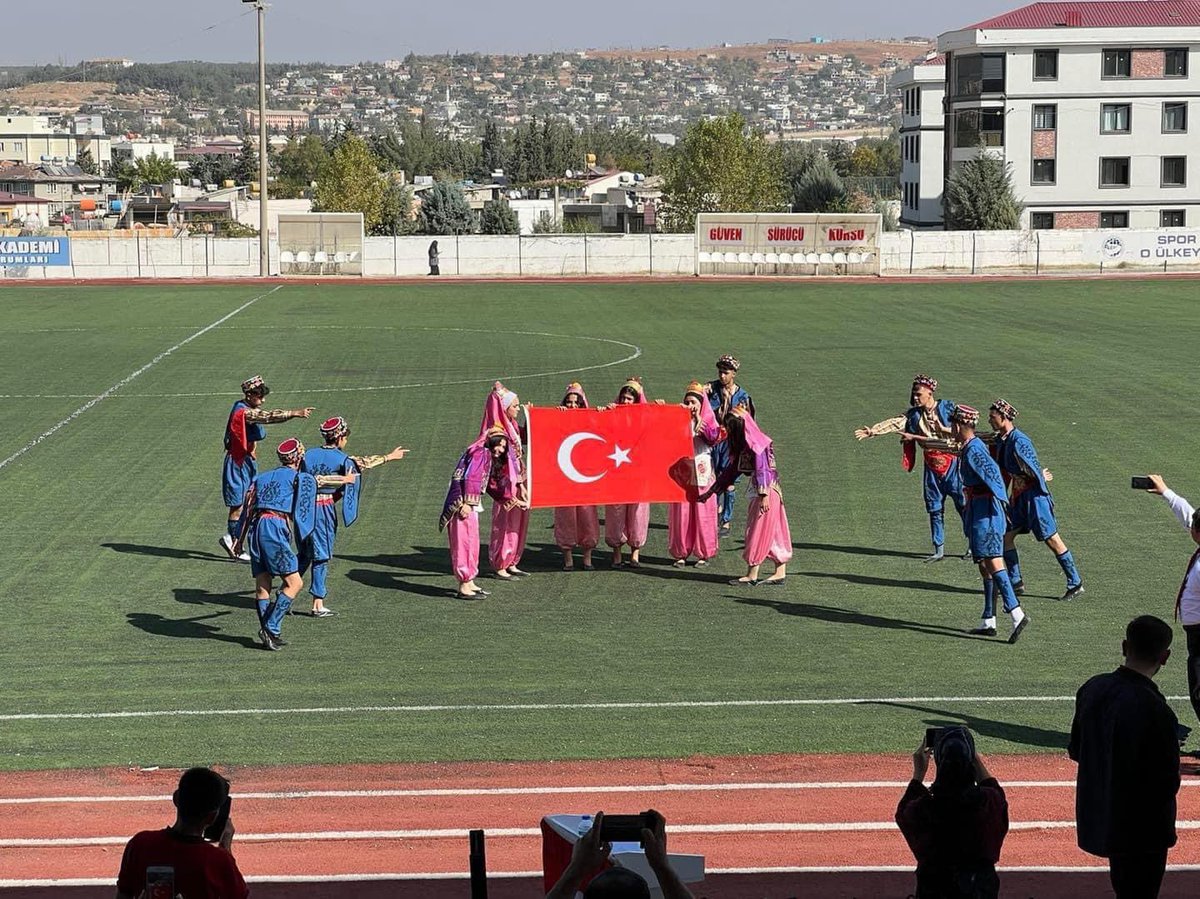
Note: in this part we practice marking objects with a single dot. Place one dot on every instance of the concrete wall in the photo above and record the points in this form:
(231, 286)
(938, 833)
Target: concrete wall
(106, 255)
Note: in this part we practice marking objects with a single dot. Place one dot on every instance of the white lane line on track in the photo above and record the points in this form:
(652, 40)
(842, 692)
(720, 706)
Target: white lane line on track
(637, 352)
(508, 875)
(530, 707)
(581, 790)
(95, 400)
(517, 832)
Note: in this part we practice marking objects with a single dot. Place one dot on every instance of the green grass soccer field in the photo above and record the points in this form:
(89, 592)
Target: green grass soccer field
(118, 601)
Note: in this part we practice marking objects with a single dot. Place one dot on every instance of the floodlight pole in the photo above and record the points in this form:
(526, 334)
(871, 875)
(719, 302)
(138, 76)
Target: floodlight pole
(264, 237)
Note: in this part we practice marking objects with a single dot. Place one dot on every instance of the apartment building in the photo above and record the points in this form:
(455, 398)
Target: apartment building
(922, 143)
(1094, 106)
(31, 139)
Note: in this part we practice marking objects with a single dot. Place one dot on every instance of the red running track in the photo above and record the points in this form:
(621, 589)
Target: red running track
(749, 817)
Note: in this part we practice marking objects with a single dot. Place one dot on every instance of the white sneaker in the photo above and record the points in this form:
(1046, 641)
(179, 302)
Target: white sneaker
(226, 543)
(245, 556)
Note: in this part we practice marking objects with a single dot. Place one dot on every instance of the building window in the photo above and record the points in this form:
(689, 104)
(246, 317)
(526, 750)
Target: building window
(979, 74)
(18, 146)
(1174, 118)
(1041, 221)
(1175, 62)
(1172, 218)
(1045, 117)
(1174, 171)
(916, 101)
(1114, 220)
(979, 127)
(1117, 64)
(1043, 171)
(1045, 65)
(1115, 118)
(1114, 171)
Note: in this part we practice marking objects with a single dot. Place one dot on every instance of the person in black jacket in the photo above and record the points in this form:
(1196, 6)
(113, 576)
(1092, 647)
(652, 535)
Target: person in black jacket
(1125, 741)
(956, 827)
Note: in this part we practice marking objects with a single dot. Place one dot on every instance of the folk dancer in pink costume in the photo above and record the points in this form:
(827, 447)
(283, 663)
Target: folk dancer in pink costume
(576, 525)
(510, 511)
(464, 502)
(627, 524)
(692, 525)
(767, 534)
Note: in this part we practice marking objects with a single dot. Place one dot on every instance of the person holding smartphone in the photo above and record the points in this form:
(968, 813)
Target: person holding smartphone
(1187, 600)
(195, 854)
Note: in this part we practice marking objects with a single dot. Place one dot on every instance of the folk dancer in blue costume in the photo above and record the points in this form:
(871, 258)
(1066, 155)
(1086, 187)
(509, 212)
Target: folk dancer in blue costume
(277, 502)
(243, 430)
(927, 423)
(724, 396)
(1030, 505)
(332, 459)
(987, 522)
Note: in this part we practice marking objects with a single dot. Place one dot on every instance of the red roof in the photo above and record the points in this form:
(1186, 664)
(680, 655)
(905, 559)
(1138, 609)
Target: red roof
(1124, 14)
(8, 199)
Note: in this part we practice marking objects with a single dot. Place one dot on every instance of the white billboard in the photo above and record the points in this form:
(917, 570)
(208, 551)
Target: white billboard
(784, 241)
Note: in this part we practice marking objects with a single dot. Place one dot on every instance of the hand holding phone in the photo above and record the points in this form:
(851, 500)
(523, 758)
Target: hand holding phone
(1141, 482)
(626, 828)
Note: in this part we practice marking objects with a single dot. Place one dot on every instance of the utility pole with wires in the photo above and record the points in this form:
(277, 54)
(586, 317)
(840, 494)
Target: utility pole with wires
(264, 237)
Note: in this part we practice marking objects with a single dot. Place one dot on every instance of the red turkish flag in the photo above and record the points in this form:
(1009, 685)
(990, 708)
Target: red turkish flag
(631, 454)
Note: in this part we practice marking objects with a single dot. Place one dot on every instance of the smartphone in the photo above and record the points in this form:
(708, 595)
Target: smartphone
(931, 736)
(213, 832)
(160, 882)
(1141, 482)
(624, 828)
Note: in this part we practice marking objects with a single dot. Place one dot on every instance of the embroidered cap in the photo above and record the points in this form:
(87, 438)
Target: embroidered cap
(965, 415)
(255, 385)
(697, 390)
(925, 381)
(1005, 408)
(494, 434)
(728, 363)
(335, 429)
(290, 451)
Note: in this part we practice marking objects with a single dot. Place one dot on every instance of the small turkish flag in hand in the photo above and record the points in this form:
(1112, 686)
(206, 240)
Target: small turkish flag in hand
(630, 454)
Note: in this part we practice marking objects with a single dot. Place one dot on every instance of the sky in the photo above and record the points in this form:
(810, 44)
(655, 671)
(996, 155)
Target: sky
(359, 30)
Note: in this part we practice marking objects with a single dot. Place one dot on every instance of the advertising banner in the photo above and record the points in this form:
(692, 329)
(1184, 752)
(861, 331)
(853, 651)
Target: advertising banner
(23, 252)
(781, 232)
(1158, 247)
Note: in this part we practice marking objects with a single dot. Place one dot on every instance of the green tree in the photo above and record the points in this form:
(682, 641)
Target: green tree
(499, 218)
(87, 162)
(545, 224)
(819, 189)
(397, 212)
(301, 163)
(493, 149)
(125, 174)
(155, 169)
(247, 162)
(351, 183)
(717, 167)
(980, 196)
(213, 169)
(444, 210)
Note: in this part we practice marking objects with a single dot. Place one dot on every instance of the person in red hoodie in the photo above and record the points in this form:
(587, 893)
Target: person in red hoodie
(199, 869)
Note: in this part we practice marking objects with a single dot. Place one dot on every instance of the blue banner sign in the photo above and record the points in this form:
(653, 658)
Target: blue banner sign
(27, 251)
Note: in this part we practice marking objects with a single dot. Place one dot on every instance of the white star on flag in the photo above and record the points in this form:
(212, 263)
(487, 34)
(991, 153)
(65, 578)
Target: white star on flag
(620, 457)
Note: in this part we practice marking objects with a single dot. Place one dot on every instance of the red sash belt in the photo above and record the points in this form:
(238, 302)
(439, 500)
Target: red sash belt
(325, 499)
(272, 514)
(939, 461)
(1020, 485)
(977, 492)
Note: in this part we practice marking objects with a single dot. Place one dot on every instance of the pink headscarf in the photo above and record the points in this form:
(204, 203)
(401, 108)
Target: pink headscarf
(495, 415)
(576, 388)
(639, 392)
(708, 418)
(756, 440)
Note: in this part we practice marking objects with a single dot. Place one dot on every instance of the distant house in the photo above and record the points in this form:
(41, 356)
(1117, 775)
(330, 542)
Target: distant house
(18, 207)
(66, 188)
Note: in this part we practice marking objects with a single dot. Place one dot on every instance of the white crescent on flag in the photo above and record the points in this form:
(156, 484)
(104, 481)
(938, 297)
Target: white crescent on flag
(566, 463)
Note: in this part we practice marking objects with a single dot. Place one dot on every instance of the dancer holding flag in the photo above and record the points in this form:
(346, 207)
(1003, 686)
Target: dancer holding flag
(752, 453)
(507, 487)
(928, 423)
(576, 525)
(692, 525)
(332, 459)
(724, 395)
(243, 430)
(627, 523)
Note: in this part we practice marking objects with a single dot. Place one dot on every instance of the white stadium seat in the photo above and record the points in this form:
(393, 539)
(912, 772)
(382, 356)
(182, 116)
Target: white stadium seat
(772, 259)
(744, 258)
(287, 257)
(839, 258)
(854, 258)
(702, 257)
(826, 259)
(812, 259)
(758, 258)
(303, 257)
(731, 258)
(785, 258)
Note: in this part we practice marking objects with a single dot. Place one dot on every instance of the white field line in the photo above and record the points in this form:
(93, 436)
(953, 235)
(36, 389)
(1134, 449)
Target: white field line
(95, 400)
(637, 352)
(499, 833)
(510, 875)
(582, 790)
(530, 707)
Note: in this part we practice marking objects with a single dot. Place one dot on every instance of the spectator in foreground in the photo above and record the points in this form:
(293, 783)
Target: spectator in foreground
(955, 827)
(1125, 741)
(590, 854)
(202, 870)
